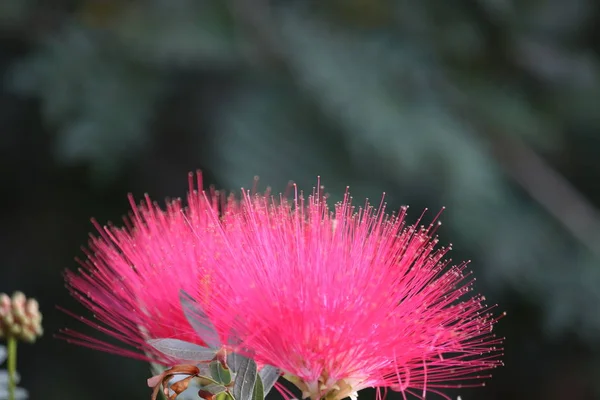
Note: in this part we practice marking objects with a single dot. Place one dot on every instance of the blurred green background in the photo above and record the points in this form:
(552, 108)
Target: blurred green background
(488, 107)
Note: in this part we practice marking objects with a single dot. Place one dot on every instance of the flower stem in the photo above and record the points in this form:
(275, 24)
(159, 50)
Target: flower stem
(12, 366)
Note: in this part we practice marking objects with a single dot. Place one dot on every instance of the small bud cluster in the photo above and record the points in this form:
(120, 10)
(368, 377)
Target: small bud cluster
(20, 317)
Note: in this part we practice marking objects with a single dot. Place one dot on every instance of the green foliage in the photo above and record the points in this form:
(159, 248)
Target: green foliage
(219, 373)
(430, 101)
(245, 381)
(180, 350)
(259, 392)
(97, 98)
(198, 320)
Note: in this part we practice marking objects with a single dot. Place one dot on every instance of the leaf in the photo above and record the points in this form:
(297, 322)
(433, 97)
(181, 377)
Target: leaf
(233, 339)
(207, 380)
(219, 373)
(258, 393)
(156, 379)
(243, 388)
(182, 351)
(223, 396)
(162, 380)
(204, 371)
(234, 360)
(198, 319)
(213, 388)
(180, 386)
(269, 376)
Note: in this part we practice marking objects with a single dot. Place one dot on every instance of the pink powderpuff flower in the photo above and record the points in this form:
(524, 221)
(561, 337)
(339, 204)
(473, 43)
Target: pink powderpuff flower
(348, 298)
(338, 300)
(132, 276)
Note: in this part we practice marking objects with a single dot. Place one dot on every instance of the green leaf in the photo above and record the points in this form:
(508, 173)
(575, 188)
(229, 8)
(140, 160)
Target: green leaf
(259, 392)
(219, 373)
(207, 381)
(269, 375)
(234, 360)
(243, 388)
(224, 396)
(198, 319)
(182, 351)
(213, 388)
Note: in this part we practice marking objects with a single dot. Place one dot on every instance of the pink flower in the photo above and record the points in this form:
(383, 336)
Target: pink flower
(132, 276)
(338, 300)
(349, 298)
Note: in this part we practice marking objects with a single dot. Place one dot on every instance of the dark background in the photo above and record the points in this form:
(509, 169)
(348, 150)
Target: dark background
(488, 107)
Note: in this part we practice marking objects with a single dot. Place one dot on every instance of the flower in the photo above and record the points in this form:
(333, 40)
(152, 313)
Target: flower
(348, 298)
(133, 275)
(338, 300)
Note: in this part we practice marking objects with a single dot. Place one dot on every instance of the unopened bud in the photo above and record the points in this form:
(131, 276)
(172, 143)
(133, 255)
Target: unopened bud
(20, 317)
(18, 299)
(4, 304)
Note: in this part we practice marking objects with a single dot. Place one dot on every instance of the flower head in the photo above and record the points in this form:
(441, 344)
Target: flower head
(133, 275)
(348, 298)
(20, 317)
(337, 299)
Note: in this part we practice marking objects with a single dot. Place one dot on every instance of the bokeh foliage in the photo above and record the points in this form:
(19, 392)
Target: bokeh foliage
(488, 107)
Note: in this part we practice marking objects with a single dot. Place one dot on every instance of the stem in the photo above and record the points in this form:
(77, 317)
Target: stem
(12, 366)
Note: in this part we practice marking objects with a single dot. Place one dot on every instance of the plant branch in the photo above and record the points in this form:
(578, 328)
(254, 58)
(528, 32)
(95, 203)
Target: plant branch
(12, 366)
